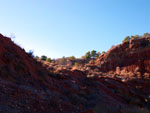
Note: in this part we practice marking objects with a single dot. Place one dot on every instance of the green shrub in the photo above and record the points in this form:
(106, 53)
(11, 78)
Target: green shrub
(30, 53)
(48, 60)
(93, 54)
(72, 58)
(146, 34)
(43, 57)
(136, 36)
(126, 39)
(88, 55)
(103, 52)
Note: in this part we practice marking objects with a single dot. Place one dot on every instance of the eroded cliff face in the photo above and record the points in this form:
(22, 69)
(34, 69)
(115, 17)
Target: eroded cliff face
(132, 56)
(26, 86)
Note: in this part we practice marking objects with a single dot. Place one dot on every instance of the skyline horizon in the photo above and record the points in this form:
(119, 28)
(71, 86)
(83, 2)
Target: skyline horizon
(13, 37)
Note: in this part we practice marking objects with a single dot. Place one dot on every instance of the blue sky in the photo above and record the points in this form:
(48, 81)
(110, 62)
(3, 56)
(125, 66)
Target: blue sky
(59, 28)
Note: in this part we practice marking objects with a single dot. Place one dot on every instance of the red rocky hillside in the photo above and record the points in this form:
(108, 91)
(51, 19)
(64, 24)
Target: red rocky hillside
(131, 56)
(27, 86)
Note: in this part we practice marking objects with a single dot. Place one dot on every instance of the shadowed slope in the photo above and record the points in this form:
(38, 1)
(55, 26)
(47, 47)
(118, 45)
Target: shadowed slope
(28, 87)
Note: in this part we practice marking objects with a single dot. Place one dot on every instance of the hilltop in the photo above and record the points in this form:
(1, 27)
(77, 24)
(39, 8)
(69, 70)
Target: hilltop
(130, 56)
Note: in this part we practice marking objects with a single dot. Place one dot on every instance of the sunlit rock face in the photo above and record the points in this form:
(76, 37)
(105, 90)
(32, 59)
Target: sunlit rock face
(131, 56)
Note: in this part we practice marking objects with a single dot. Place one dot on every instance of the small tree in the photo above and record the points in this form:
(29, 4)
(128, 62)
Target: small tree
(136, 36)
(48, 60)
(126, 39)
(88, 55)
(132, 37)
(72, 58)
(43, 57)
(98, 54)
(30, 53)
(93, 54)
(146, 34)
(103, 52)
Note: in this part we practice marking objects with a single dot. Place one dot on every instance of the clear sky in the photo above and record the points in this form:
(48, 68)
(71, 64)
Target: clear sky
(59, 28)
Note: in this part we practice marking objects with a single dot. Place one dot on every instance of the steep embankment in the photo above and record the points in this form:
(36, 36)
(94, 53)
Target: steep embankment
(27, 87)
(131, 56)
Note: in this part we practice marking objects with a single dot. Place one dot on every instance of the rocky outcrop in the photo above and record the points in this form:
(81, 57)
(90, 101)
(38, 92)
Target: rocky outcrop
(132, 56)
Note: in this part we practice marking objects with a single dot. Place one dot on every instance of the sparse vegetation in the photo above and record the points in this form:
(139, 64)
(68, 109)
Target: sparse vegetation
(79, 81)
(146, 34)
(98, 54)
(48, 60)
(63, 60)
(30, 53)
(135, 37)
(43, 57)
(126, 39)
(72, 58)
(87, 55)
(91, 55)
(103, 52)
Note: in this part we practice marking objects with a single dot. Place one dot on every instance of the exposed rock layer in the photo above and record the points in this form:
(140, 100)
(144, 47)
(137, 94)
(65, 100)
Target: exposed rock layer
(132, 56)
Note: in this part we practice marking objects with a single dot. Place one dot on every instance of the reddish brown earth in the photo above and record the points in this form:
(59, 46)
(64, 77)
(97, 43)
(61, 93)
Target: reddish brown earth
(27, 86)
(132, 56)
